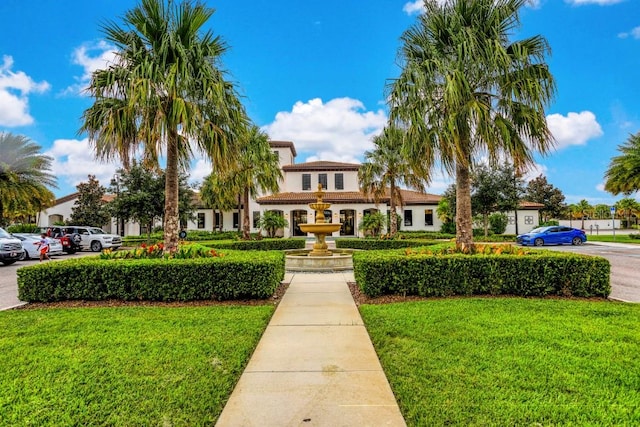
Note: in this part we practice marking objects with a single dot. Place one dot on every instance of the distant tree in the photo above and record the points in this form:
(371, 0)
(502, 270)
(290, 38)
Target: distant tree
(623, 174)
(627, 208)
(24, 177)
(498, 223)
(494, 190)
(601, 211)
(141, 193)
(271, 222)
(89, 208)
(385, 170)
(540, 191)
(215, 195)
(580, 210)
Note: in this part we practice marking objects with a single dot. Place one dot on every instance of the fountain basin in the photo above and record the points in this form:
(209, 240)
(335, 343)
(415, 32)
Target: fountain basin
(321, 230)
(303, 260)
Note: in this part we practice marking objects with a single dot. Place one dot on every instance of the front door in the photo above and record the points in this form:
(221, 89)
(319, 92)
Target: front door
(298, 217)
(348, 220)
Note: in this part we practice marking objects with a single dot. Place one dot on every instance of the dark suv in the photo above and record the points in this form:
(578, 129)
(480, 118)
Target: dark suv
(71, 242)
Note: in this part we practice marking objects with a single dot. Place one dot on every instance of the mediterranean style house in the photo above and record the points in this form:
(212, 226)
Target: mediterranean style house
(300, 180)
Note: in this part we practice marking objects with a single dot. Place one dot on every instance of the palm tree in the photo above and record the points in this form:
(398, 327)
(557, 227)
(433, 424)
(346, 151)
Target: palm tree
(24, 176)
(164, 93)
(627, 207)
(580, 210)
(623, 175)
(465, 91)
(385, 169)
(256, 170)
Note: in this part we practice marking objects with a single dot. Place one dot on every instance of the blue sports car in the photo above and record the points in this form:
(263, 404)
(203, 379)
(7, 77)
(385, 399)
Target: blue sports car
(553, 235)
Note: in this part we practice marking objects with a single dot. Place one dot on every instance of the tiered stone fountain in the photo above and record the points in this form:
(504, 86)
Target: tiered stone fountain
(320, 258)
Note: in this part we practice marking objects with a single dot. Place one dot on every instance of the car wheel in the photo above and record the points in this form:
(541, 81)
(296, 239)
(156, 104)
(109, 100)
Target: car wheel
(25, 255)
(96, 246)
(75, 237)
(538, 242)
(576, 241)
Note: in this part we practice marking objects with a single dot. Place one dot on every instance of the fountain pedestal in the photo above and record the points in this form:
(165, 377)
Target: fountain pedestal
(320, 228)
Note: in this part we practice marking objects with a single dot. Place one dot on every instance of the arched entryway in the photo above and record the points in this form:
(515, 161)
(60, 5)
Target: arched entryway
(348, 220)
(298, 217)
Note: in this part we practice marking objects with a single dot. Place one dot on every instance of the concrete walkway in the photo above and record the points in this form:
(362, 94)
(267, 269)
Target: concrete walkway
(314, 365)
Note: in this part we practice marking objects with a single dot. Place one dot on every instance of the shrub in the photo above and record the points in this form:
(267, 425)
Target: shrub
(23, 228)
(271, 222)
(424, 235)
(634, 236)
(260, 245)
(373, 223)
(448, 228)
(498, 223)
(370, 244)
(236, 275)
(503, 270)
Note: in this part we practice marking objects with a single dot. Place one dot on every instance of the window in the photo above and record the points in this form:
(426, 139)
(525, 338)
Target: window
(219, 220)
(408, 218)
(256, 218)
(236, 220)
(306, 181)
(322, 179)
(200, 220)
(512, 220)
(339, 181)
(528, 219)
(428, 217)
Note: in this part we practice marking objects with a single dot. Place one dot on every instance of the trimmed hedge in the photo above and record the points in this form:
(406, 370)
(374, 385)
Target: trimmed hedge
(259, 245)
(537, 274)
(236, 275)
(371, 244)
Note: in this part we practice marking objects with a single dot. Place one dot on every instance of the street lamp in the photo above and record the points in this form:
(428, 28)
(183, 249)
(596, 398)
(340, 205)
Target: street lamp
(115, 182)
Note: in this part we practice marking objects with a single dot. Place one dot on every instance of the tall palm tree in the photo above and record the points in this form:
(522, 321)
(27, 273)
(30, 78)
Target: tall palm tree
(24, 176)
(385, 169)
(164, 93)
(580, 210)
(256, 170)
(466, 92)
(623, 174)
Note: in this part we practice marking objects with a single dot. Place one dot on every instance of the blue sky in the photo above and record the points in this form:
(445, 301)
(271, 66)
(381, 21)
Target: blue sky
(314, 72)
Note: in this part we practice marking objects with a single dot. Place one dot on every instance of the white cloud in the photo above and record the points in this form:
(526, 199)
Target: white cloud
(634, 33)
(574, 129)
(90, 56)
(339, 130)
(14, 90)
(600, 187)
(74, 160)
(598, 2)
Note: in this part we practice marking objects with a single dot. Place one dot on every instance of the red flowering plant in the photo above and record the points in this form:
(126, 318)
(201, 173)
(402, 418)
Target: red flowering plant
(156, 251)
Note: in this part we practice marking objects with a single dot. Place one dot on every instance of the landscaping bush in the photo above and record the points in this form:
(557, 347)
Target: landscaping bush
(370, 244)
(425, 235)
(503, 270)
(260, 245)
(23, 228)
(634, 236)
(235, 275)
(498, 223)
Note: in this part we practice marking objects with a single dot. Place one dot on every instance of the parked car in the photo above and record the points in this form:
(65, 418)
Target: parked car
(31, 249)
(553, 235)
(70, 242)
(10, 248)
(87, 238)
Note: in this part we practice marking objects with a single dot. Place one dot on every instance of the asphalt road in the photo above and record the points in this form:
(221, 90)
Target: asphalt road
(624, 259)
(625, 266)
(9, 283)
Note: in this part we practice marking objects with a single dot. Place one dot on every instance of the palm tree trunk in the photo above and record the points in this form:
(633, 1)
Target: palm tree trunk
(464, 226)
(246, 230)
(171, 217)
(392, 204)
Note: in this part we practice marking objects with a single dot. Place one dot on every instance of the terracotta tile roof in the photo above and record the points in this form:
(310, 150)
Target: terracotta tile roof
(72, 196)
(409, 197)
(284, 144)
(321, 166)
(531, 205)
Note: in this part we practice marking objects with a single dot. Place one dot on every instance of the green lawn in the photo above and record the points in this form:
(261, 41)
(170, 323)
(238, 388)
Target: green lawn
(123, 366)
(619, 238)
(509, 361)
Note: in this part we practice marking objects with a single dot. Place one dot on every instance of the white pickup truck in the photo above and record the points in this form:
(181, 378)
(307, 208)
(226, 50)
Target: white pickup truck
(94, 238)
(10, 248)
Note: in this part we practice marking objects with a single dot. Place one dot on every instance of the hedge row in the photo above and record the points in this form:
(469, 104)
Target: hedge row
(371, 244)
(236, 275)
(538, 274)
(259, 245)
